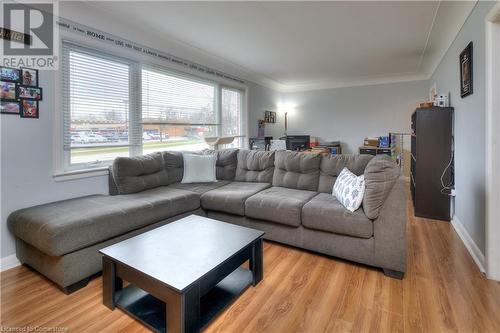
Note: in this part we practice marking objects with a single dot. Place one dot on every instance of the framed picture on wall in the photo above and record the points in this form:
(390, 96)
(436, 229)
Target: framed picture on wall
(8, 91)
(27, 92)
(29, 109)
(10, 74)
(272, 117)
(466, 73)
(29, 77)
(10, 107)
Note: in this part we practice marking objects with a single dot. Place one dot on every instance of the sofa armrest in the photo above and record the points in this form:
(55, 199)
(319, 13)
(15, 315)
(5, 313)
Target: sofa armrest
(389, 229)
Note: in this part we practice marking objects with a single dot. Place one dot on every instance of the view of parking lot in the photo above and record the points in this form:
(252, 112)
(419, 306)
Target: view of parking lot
(88, 147)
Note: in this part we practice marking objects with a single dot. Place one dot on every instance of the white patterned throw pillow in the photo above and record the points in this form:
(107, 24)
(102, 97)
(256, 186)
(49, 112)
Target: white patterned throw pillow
(349, 189)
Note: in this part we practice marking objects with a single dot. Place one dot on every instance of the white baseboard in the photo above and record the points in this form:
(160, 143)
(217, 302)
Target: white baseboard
(474, 251)
(9, 262)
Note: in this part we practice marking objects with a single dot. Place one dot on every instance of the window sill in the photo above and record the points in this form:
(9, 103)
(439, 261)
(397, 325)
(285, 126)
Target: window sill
(79, 174)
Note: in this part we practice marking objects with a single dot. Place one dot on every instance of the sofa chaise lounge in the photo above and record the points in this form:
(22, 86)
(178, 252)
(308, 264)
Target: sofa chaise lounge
(286, 194)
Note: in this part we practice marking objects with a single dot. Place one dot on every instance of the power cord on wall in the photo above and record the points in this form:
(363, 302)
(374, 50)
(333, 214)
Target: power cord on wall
(448, 189)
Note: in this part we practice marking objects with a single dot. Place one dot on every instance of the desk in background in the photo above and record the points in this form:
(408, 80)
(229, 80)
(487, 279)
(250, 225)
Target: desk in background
(260, 143)
(368, 150)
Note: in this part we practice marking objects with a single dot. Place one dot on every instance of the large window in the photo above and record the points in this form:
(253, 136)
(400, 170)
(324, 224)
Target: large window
(231, 114)
(96, 93)
(177, 113)
(114, 107)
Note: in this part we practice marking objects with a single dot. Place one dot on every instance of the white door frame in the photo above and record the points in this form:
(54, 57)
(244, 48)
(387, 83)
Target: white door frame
(493, 144)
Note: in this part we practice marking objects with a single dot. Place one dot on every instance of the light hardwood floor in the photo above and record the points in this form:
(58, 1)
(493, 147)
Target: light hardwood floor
(443, 291)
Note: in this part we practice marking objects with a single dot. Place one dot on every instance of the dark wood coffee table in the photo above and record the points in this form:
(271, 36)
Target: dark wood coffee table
(183, 274)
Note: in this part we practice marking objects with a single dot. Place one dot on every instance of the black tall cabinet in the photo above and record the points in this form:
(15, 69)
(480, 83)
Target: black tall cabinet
(431, 154)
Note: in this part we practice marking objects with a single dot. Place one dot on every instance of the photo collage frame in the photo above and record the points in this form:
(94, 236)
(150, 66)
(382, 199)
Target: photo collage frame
(20, 92)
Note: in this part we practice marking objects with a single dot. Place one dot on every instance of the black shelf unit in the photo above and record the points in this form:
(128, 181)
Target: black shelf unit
(431, 153)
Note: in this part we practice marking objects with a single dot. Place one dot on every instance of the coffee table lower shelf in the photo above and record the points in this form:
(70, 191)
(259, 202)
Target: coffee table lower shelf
(151, 311)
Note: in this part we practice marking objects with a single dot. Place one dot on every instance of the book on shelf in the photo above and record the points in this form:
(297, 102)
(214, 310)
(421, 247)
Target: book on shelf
(333, 150)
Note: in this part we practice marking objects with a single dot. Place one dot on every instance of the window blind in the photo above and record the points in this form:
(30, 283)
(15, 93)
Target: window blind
(119, 107)
(97, 107)
(96, 91)
(171, 99)
(231, 112)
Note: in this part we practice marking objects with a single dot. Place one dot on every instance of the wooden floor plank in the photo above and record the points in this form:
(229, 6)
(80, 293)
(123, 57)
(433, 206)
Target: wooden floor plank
(443, 291)
(249, 304)
(288, 294)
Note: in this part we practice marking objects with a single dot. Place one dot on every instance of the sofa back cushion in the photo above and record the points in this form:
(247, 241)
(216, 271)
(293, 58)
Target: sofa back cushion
(296, 170)
(331, 166)
(174, 165)
(381, 173)
(227, 161)
(225, 164)
(255, 166)
(135, 174)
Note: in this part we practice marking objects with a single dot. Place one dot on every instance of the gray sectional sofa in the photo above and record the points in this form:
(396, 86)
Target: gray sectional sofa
(286, 194)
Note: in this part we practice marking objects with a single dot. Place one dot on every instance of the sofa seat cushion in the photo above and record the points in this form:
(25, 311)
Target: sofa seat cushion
(324, 212)
(200, 188)
(231, 198)
(65, 226)
(278, 204)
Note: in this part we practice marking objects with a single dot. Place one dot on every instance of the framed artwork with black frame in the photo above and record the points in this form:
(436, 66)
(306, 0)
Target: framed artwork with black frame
(270, 117)
(28, 92)
(10, 74)
(29, 109)
(466, 73)
(29, 77)
(10, 107)
(8, 91)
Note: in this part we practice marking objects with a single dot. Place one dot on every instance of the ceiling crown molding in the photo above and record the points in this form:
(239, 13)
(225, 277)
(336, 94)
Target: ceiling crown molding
(449, 19)
(366, 81)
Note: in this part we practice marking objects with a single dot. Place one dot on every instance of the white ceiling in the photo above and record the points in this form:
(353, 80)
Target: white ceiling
(308, 45)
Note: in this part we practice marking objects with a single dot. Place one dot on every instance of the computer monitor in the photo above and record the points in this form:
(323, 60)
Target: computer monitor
(297, 142)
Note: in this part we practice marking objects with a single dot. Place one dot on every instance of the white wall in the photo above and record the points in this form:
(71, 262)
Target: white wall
(27, 161)
(262, 99)
(469, 124)
(351, 114)
(27, 164)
